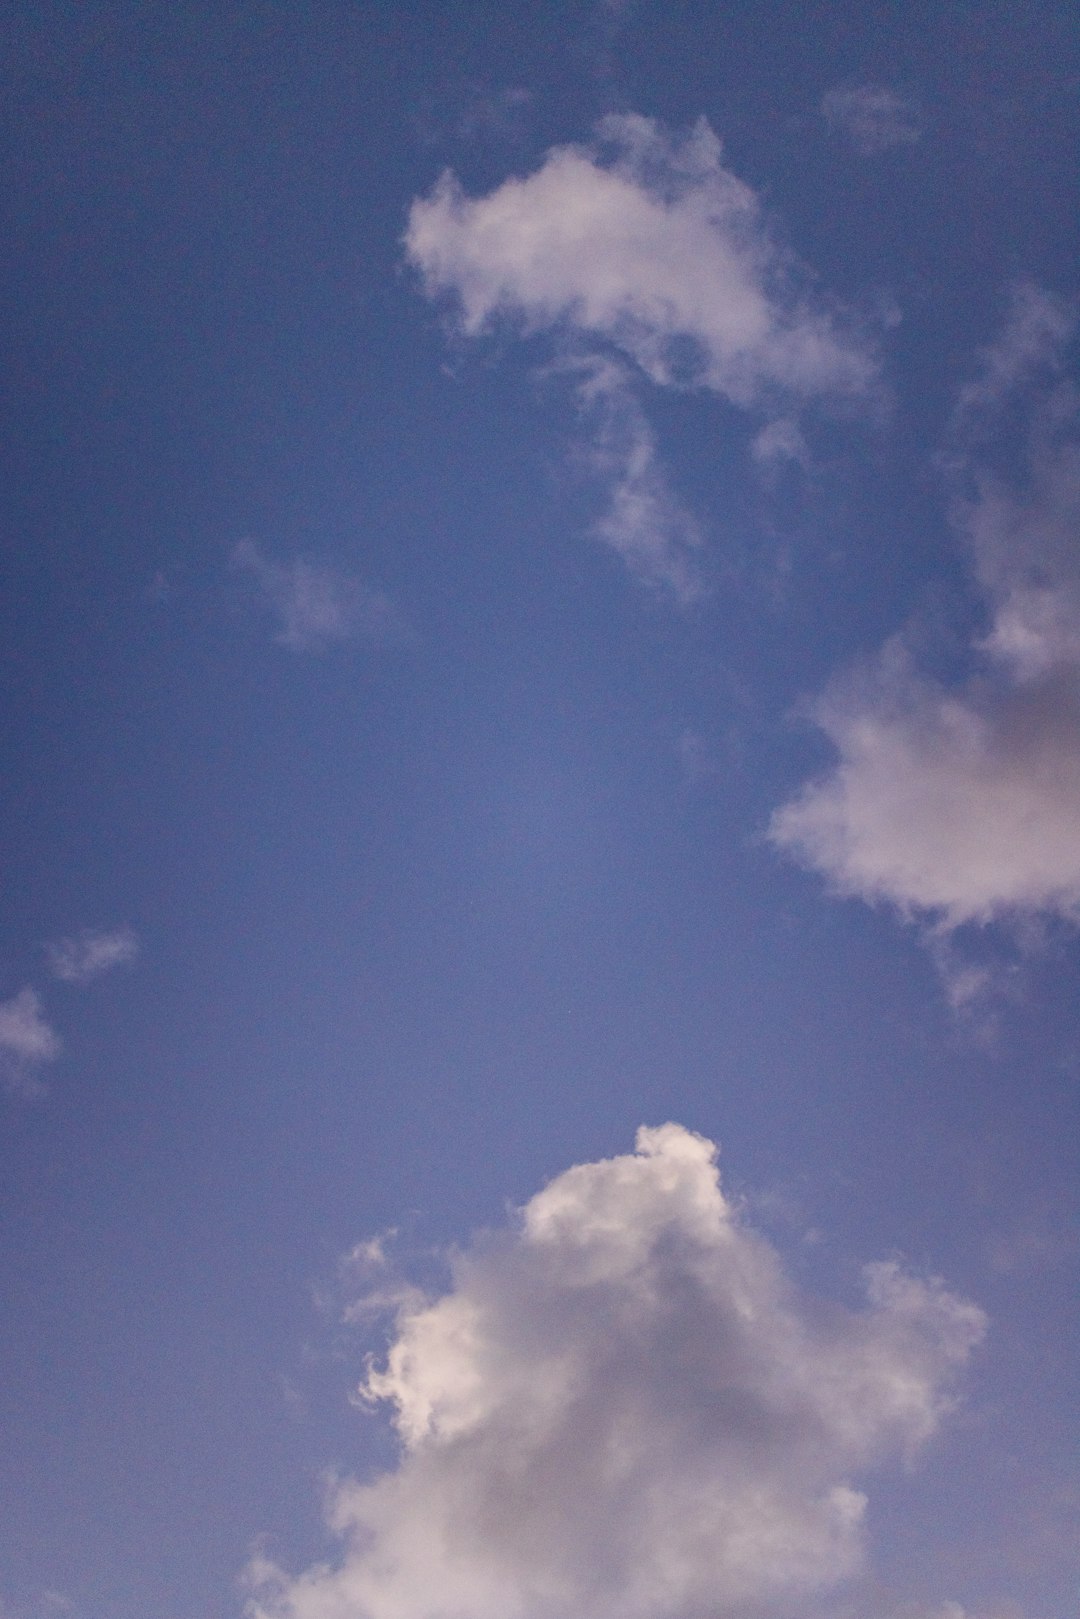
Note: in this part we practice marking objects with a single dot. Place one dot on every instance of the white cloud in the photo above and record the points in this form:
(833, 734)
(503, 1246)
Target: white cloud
(317, 605)
(80, 959)
(873, 116)
(963, 803)
(26, 1042)
(646, 244)
(658, 250)
(623, 1409)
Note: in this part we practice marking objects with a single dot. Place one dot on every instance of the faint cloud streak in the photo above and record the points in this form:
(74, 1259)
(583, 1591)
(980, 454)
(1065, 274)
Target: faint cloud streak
(873, 116)
(27, 1042)
(318, 606)
(87, 955)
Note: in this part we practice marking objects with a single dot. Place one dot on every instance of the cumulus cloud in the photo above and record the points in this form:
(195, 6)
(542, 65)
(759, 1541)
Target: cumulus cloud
(656, 248)
(647, 245)
(873, 116)
(27, 1042)
(962, 803)
(317, 605)
(87, 955)
(966, 804)
(623, 1409)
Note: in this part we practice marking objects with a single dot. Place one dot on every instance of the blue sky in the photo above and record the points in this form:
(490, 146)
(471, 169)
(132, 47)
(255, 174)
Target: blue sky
(541, 584)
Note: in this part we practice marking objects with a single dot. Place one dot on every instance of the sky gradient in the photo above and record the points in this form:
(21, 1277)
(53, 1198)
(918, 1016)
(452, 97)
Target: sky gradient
(539, 1053)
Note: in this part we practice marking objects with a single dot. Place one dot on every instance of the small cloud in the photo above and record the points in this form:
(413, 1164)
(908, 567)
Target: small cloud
(496, 115)
(369, 1254)
(873, 116)
(779, 441)
(696, 760)
(27, 1041)
(644, 523)
(80, 959)
(959, 806)
(317, 605)
(1038, 327)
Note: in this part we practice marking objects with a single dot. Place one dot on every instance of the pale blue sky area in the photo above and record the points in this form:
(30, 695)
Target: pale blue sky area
(541, 574)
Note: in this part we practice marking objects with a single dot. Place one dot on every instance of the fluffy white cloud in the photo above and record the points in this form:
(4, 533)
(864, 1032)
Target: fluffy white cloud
(656, 248)
(89, 954)
(963, 803)
(645, 244)
(873, 116)
(623, 1409)
(26, 1042)
(317, 605)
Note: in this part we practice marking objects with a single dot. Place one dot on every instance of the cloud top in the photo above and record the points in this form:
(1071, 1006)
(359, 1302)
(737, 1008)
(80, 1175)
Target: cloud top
(623, 1409)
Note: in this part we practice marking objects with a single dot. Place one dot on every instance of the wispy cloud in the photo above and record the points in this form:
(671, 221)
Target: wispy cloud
(27, 1042)
(644, 522)
(644, 244)
(87, 955)
(873, 116)
(780, 441)
(622, 1406)
(317, 605)
(962, 803)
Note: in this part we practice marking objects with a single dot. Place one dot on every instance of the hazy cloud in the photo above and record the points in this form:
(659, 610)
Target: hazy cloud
(873, 116)
(644, 522)
(27, 1041)
(89, 954)
(623, 1409)
(963, 802)
(317, 605)
(780, 441)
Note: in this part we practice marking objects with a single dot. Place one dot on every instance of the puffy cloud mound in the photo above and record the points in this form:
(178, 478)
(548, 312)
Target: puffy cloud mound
(963, 803)
(623, 1409)
(647, 242)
